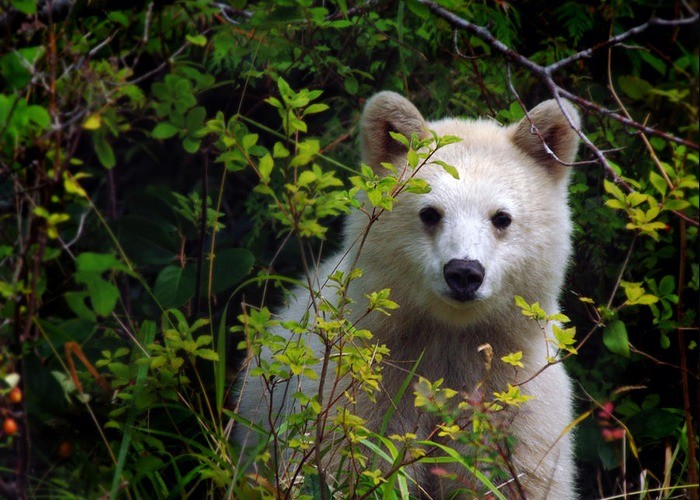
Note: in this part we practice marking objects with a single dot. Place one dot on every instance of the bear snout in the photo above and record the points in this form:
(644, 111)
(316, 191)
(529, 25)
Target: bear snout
(464, 277)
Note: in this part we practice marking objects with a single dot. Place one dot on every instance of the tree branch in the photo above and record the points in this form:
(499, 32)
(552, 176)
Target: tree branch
(544, 73)
(618, 39)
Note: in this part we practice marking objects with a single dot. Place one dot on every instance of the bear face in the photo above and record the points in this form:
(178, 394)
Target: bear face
(501, 229)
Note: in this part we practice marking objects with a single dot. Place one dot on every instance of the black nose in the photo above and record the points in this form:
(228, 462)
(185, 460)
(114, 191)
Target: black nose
(464, 277)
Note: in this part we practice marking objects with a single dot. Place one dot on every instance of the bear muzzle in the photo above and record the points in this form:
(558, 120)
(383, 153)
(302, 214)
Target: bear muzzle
(464, 277)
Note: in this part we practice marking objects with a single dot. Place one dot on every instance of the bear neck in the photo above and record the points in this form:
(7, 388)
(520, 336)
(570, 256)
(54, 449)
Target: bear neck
(428, 346)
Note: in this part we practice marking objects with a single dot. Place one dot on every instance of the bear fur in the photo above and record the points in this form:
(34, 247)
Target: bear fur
(501, 229)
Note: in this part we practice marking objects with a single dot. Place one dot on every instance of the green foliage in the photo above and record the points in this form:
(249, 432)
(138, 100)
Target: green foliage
(167, 168)
(561, 338)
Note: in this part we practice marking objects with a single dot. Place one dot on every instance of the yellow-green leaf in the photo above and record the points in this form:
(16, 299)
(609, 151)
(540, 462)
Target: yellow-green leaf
(514, 358)
(198, 40)
(93, 122)
(265, 168)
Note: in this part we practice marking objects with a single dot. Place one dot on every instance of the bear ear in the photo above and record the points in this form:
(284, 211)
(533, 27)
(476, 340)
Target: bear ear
(554, 128)
(388, 112)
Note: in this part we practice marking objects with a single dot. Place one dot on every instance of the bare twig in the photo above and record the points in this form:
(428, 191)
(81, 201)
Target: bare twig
(231, 14)
(618, 39)
(544, 73)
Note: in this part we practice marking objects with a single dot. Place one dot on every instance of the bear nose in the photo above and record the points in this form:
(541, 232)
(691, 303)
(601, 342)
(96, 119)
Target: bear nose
(464, 277)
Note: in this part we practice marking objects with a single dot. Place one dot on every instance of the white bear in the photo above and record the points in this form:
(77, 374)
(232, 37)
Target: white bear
(454, 259)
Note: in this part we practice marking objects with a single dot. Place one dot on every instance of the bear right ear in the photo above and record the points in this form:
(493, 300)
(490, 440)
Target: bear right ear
(555, 142)
(388, 112)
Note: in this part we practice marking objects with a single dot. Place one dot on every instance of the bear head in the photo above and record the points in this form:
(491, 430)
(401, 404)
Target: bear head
(463, 250)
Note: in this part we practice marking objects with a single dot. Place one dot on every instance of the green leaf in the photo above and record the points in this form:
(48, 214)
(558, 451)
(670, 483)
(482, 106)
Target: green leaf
(315, 108)
(412, 158)
(279, 151)
(103, 294)
(265, 168)
(447, 168)
(120, 370)
(615, 338)
(39, 116)
(667, 285)
(514, 358)
(306, 178)
(634, 87)
(654, 423)
(15, 75)
(306, 152)
(207, 354)
(350, 84)
(615, 191)
(164, 130)
(521, 303)
(202, 339)
(250, 140)
(420, 10)
(564, 339)
(76, 302)
(615, 204)
(190, 145)
(676, 204)
(93, 122)
(400, 138)
(653, 61)
(195, 119)
(175, 286)
(418, 186)
(646, 299)
(99, 263)
(284, 88)
(198, 40)
(147, 240)
(634, 198)
(658, 182)
(25, 6)
(103, 150)
(274, 102)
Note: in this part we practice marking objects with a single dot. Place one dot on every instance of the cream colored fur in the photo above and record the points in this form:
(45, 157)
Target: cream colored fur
(500, 169)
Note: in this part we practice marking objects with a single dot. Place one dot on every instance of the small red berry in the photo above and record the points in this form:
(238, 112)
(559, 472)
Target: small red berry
(65, 449)
(15, 395)
(607, 410)
(612, 434)
(9, 426)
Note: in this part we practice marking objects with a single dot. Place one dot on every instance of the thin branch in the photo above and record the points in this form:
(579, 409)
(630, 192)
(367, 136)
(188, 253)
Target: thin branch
(618, 39)
(161, 66)
(231, 14)
(484, 34)
(623, 119)
(549, 151)
(544, 73)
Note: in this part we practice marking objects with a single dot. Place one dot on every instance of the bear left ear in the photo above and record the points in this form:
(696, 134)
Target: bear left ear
(555, 130)
(388, 112)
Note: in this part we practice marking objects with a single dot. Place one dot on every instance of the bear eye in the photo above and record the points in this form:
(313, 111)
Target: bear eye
(430, 216)
(501, 220)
